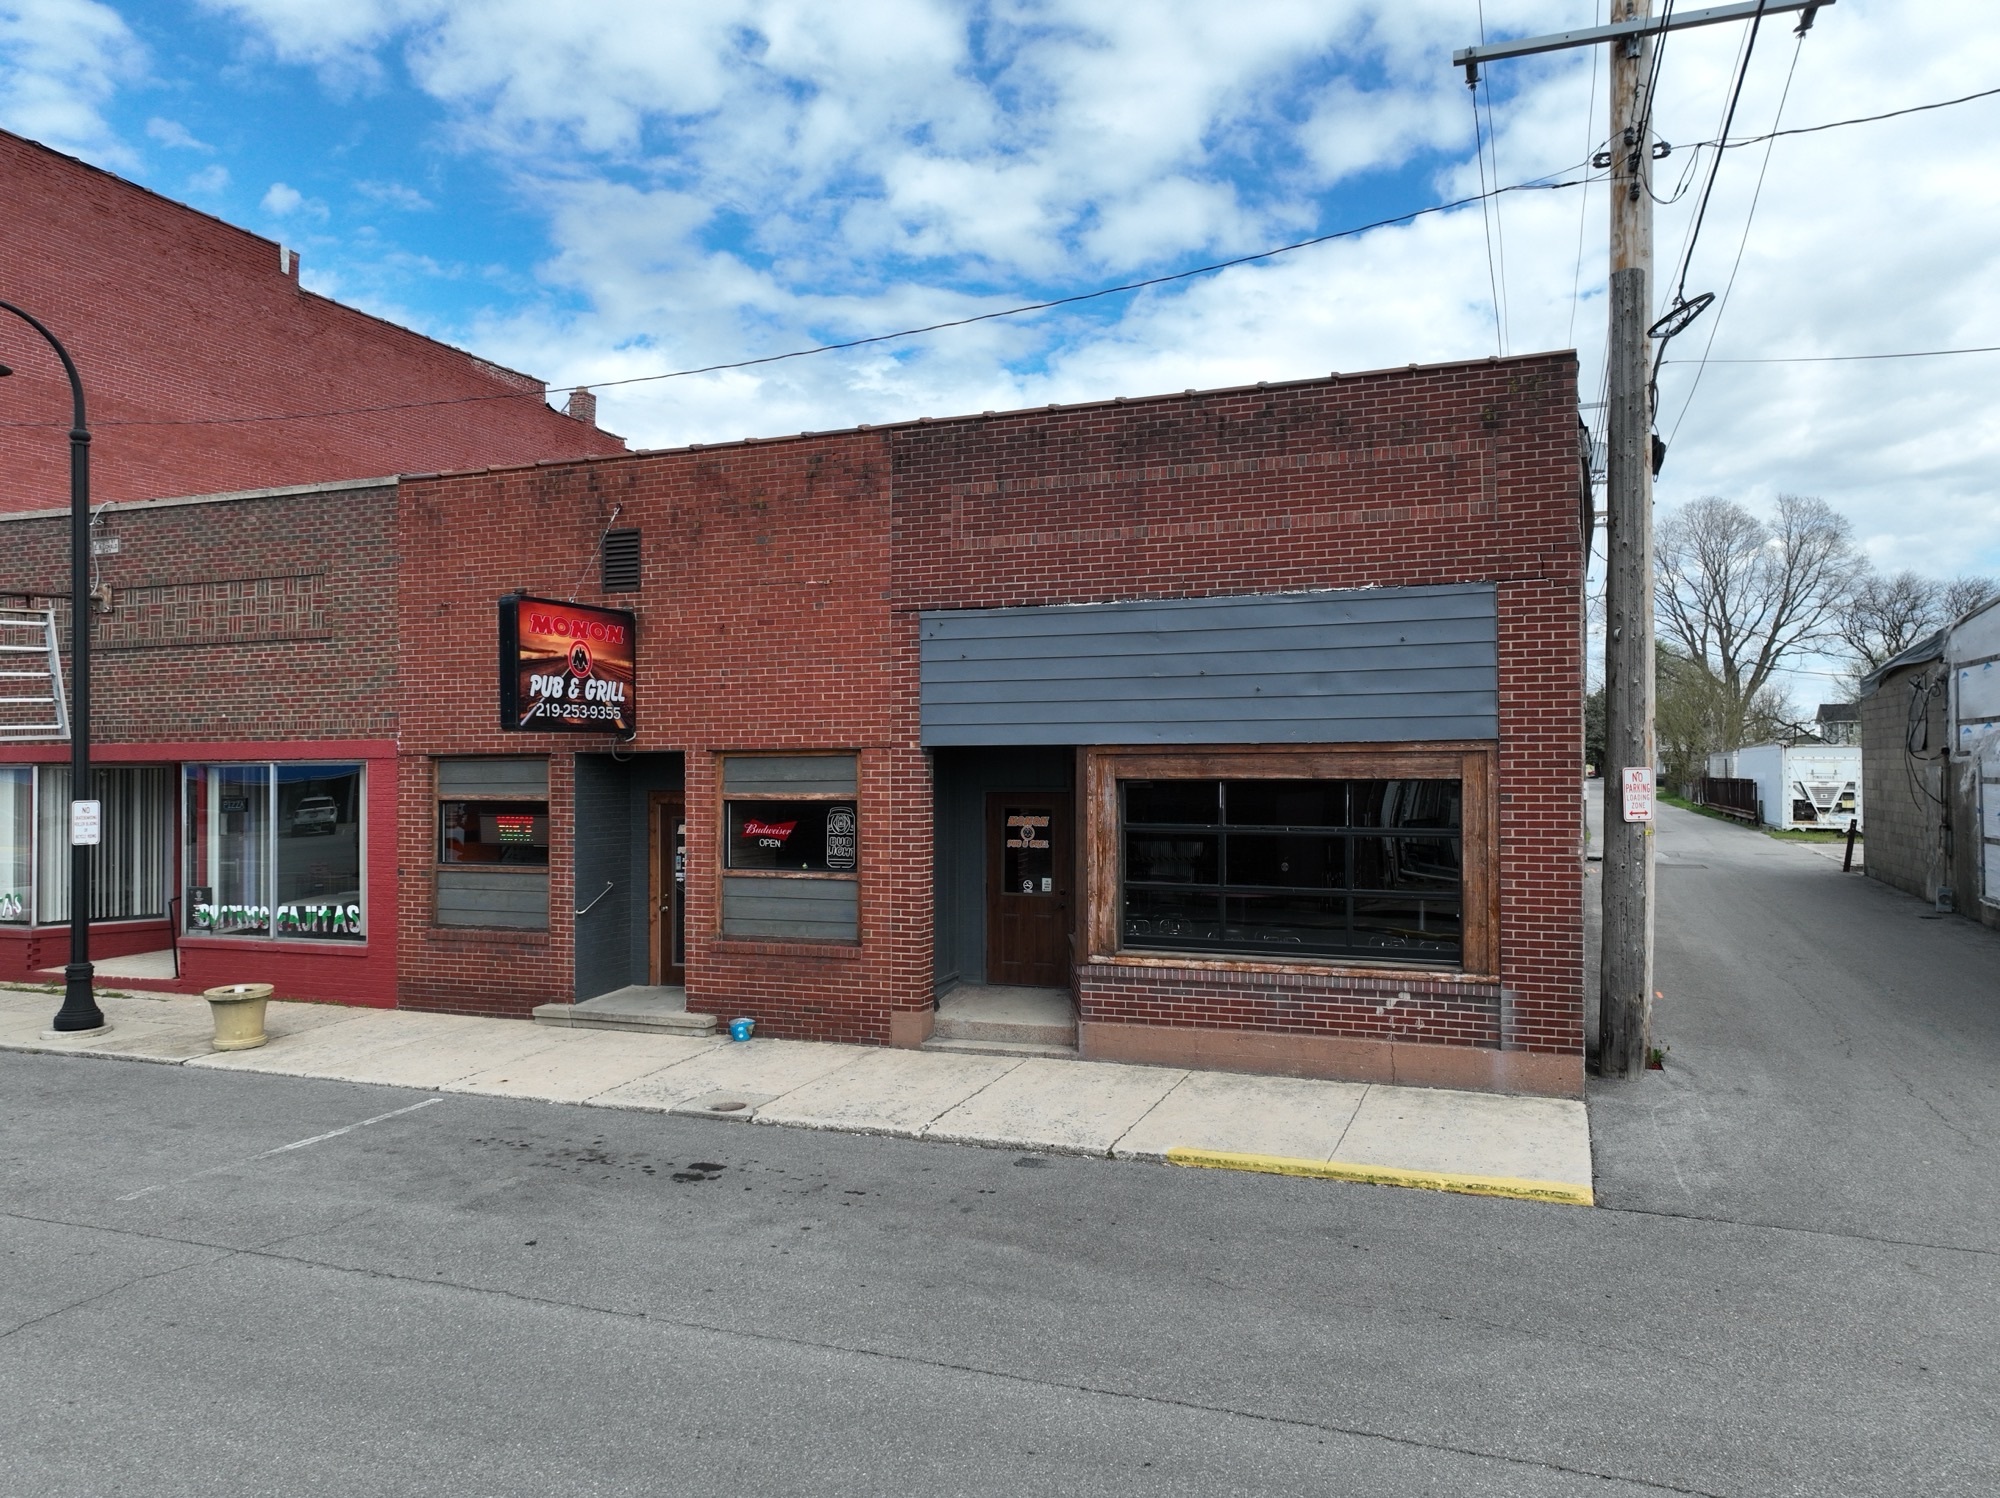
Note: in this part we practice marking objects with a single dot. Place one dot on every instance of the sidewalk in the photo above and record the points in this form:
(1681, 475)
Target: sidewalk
(1528, 1147)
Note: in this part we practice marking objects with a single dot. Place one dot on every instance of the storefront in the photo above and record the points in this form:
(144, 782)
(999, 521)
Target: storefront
(1243, 726)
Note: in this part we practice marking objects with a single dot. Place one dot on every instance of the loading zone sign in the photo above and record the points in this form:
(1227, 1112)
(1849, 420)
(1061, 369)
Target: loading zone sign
(1638, 783)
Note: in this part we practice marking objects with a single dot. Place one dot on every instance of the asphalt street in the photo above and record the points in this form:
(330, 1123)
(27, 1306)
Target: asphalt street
(1790, 1289)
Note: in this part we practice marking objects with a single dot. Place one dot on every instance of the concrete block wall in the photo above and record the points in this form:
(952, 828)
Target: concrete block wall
(1902, 818)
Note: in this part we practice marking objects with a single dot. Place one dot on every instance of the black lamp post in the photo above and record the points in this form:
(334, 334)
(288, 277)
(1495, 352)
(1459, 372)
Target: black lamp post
(79, 1007)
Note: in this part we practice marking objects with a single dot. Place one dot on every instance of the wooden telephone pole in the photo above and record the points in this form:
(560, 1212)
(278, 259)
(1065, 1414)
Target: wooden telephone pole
(1625, 1003)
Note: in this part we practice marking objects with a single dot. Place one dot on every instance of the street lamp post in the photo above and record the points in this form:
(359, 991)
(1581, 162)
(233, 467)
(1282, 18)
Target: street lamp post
(79, 1010)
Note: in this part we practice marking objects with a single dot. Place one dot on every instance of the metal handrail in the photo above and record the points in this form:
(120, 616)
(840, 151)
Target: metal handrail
(584, 910)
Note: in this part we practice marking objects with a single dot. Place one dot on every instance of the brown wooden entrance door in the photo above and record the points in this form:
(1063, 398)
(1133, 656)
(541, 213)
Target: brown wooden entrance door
(667, 900)
(1027, 889)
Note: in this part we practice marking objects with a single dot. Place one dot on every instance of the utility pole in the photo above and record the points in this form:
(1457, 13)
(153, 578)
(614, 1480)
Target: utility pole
(1625, 1001)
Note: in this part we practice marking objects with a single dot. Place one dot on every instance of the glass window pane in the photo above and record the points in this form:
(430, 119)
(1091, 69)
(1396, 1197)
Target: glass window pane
(129, 867)
(1172, 918)
(1172, 857)
(1418, 864)
(1286, 803)
(1391, 926)
(228, 857)
(1149, 803)
(17, 834)
(1290, 860)
(1406, 803)
(1281, 927)
(814, 837)
(1028, 854)
(319, 851)
(513, 832)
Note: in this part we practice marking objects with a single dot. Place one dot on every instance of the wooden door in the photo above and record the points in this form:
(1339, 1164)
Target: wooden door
(666, 903)
(1027, 889)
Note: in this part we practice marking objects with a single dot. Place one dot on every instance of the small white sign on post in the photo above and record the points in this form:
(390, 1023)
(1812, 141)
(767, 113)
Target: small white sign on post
(1638, 782)
(86, 823)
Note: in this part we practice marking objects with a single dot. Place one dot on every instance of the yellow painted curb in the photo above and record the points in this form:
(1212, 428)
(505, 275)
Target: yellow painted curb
(1388, 1175)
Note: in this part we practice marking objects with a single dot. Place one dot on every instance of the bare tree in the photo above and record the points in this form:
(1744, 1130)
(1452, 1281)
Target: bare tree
(1738, 598)
(1890, 614)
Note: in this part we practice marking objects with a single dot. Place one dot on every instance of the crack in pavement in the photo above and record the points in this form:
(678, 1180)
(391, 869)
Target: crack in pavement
(916, 1360)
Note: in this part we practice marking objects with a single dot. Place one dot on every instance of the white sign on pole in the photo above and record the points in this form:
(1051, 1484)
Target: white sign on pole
(1638, 793)
(86, 823)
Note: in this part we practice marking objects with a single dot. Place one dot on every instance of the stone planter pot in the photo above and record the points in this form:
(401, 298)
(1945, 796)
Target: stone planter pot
(239, 1015)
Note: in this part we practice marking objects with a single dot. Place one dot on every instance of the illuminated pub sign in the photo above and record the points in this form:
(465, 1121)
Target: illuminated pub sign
(566, 667)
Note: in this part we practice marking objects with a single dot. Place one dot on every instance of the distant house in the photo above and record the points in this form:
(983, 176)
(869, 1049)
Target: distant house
(1838, 723)
(1930, 732)
(208, 368)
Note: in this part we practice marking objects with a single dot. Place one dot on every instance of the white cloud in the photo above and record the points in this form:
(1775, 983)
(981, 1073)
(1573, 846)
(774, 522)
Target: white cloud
(395, 195)
(282, 201)
(906, 161)
(173, 133)
(211, 179)
(60, 63)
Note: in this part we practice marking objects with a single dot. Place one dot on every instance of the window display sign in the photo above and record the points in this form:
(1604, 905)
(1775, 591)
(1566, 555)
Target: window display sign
(807, 837)
(566, 667)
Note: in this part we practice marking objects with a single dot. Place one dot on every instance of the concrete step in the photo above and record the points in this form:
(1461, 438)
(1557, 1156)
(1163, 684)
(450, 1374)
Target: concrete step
(1013, 1016)
(659, 1010)
(1000, 1048)
(1015, 1032)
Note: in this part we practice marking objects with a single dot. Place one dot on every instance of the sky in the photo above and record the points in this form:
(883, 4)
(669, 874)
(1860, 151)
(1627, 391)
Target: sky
(630, 187)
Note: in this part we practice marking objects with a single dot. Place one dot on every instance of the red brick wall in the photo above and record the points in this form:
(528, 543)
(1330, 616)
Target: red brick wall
(1444, 474)
(763, 625)
(171, 315)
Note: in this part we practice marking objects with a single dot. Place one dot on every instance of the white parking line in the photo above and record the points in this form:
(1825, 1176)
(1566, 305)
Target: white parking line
(297, 1144)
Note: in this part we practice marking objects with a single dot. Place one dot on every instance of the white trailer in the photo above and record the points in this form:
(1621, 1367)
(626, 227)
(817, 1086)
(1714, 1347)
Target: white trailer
(1802, 785)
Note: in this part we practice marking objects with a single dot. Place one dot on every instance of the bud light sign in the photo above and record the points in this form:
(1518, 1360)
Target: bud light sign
(565, 667)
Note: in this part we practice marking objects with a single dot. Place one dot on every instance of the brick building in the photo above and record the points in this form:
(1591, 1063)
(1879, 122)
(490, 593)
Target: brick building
(1247, 720)
(176, 319)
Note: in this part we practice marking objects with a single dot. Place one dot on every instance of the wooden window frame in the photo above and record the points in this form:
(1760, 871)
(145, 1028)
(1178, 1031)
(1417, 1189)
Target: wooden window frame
(1472, 764)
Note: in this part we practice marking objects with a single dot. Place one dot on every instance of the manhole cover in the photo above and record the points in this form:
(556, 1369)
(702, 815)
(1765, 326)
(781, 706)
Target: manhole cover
(730, 1106)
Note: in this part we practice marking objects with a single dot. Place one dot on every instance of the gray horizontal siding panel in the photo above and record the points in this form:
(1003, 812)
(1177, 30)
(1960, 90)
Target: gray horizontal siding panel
(789, 775)
(1001, 662)
(525, 778)
(791, 909)
(1354, 666)
(467, 897)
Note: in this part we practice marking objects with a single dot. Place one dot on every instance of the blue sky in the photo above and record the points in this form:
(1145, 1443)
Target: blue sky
(592, 192)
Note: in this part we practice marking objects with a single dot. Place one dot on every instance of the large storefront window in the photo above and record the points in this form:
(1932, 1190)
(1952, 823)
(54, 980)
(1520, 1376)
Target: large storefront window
(1294, 869)
(130, 868)
(274, 850)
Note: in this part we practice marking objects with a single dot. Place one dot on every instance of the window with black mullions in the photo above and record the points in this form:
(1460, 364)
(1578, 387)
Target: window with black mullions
(1294, 868)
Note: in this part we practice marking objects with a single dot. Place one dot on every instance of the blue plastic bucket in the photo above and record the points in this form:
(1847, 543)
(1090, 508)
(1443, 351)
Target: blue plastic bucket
(739, 1029)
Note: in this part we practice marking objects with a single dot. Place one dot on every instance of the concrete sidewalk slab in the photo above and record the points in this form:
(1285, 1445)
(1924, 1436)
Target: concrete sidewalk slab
(1283, 1116)
(887, 1092)
(582, 1064)
(765, 1068)
(1072, 1107)
(479, 1046)
(1470, 1133)
(331, 1050)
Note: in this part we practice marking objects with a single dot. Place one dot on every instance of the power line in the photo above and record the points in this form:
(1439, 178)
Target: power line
(1540, 184)
(1486, 222)
(1583, 208)
(1715, 162)
(1926, 353)
(1864, 119)
(1715, 323)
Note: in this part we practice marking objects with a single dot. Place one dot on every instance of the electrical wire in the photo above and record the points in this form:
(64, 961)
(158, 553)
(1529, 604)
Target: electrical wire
(1499, 220)
(1583, 209)
(1538, 184)
(1486, 222)
(1863, 119)
(1715, 165)
(1923, 353)
(1722, 304)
